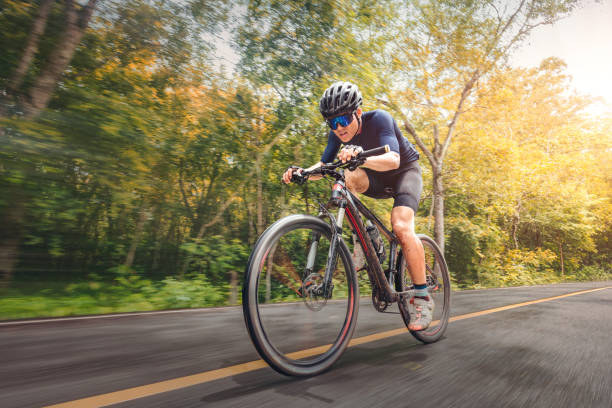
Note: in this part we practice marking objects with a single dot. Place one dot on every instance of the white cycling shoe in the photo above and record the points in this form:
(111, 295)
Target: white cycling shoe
(421, 312)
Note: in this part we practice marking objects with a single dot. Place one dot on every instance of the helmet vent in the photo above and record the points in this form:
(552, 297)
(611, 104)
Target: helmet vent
(340, 98)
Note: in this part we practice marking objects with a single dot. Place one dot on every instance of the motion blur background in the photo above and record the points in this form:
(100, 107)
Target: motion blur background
(142, 142)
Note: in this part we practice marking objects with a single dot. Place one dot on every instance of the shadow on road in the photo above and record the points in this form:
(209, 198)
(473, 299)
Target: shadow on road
(348, 367)
(292, 387)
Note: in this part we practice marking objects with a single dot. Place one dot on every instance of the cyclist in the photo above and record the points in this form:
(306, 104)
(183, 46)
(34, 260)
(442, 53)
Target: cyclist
(393, 174)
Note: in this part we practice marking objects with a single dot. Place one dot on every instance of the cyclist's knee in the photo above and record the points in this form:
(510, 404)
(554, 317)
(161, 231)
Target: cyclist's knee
(402, 220)
(357, 180)
(403, 230)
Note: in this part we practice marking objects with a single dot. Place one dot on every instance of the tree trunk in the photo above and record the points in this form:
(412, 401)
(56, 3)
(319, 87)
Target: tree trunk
(142, 219)
(233, 298)
(76, 24)
(306, 198)
(165, 239)
(259, 203)
(269, 273)
(431, 211)
(31, 48)
(515, 223)
(283, 200)
(562, 261)
(438, 203)
(251, 223)
(9, 251)
(156, 235)
(11, 239)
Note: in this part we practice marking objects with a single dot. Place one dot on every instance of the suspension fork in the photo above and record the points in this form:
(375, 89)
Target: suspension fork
(312, 253)
(332, 256)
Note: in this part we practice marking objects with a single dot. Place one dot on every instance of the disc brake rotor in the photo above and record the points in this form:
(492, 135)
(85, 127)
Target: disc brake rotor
(311, 291)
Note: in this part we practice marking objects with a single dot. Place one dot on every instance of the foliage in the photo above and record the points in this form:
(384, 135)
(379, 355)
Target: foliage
(216, 257)
(128, 293)
(156, 172)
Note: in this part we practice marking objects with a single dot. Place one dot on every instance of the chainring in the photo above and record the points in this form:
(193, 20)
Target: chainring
(379, 305)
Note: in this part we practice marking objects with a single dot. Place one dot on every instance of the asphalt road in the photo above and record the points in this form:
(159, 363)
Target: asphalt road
(556, 353)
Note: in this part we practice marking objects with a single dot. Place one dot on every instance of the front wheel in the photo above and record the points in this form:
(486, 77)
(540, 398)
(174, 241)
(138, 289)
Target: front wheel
(299, 324)
(438, 286)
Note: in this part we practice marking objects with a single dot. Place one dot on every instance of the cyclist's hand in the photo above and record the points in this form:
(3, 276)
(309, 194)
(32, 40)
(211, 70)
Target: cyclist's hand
(348, 152)
(289, 173)
(356, 163)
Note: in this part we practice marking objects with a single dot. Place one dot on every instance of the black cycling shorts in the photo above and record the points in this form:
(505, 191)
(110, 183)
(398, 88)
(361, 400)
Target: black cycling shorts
(405, 185)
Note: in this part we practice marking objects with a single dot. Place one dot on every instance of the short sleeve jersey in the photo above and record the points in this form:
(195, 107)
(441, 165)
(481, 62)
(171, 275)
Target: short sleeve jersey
(378, 129)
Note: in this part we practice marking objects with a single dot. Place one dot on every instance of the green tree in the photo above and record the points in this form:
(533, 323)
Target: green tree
(525, 178)
(443, 50)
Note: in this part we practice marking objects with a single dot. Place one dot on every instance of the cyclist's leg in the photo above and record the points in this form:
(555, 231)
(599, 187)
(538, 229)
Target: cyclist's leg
(406, 188)
(378, 184)
(357, 180)
(407, 192)
(402, 220)
(420, 306)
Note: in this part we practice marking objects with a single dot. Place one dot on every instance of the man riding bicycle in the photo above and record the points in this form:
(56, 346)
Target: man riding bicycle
(393, 174)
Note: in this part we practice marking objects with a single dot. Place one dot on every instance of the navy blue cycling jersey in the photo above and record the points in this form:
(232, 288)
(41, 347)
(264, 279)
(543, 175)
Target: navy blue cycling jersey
(378, 129)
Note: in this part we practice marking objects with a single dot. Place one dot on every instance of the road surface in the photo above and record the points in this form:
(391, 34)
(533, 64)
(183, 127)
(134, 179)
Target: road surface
(556, 352)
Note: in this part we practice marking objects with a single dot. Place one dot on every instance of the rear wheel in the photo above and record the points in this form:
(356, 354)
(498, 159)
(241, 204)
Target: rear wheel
(299, 325)
(438, 286)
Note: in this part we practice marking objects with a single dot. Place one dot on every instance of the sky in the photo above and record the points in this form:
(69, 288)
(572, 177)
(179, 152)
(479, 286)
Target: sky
(584, 41)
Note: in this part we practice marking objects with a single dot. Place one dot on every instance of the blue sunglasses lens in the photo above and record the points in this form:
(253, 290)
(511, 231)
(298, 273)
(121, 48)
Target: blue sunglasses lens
(343, 121)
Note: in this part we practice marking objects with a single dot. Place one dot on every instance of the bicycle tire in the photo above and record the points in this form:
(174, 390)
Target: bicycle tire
(439, 287)
(263, 330)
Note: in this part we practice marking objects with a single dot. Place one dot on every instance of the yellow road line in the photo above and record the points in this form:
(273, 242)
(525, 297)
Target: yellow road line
(201, 378)
(514, 306)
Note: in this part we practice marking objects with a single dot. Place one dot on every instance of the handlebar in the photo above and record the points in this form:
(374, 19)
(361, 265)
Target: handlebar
(374, 152)
(330, 169)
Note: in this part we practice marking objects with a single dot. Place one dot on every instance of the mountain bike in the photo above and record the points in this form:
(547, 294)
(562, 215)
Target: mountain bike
(301, 291)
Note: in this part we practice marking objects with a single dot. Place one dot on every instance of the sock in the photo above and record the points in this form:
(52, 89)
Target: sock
(421, 291)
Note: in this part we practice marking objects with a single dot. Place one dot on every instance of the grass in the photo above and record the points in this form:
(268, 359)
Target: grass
(126, 293)
(131, 293)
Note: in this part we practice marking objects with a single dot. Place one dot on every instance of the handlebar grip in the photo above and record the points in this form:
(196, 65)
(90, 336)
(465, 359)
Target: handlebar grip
(375, 152)
(299, 178)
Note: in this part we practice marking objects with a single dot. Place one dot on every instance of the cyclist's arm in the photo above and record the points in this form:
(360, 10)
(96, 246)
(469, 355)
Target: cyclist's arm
(384, 128)
(311, 168)
(384, 162)
(289, 172)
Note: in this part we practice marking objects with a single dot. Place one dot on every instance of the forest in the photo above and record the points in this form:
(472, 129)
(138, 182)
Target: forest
(139, 163)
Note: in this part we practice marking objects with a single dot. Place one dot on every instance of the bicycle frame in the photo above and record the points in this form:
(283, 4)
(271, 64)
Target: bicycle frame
(348, 204)
(313, 234)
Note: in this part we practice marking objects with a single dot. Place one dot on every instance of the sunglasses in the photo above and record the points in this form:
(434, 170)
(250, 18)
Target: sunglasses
(342, 120)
